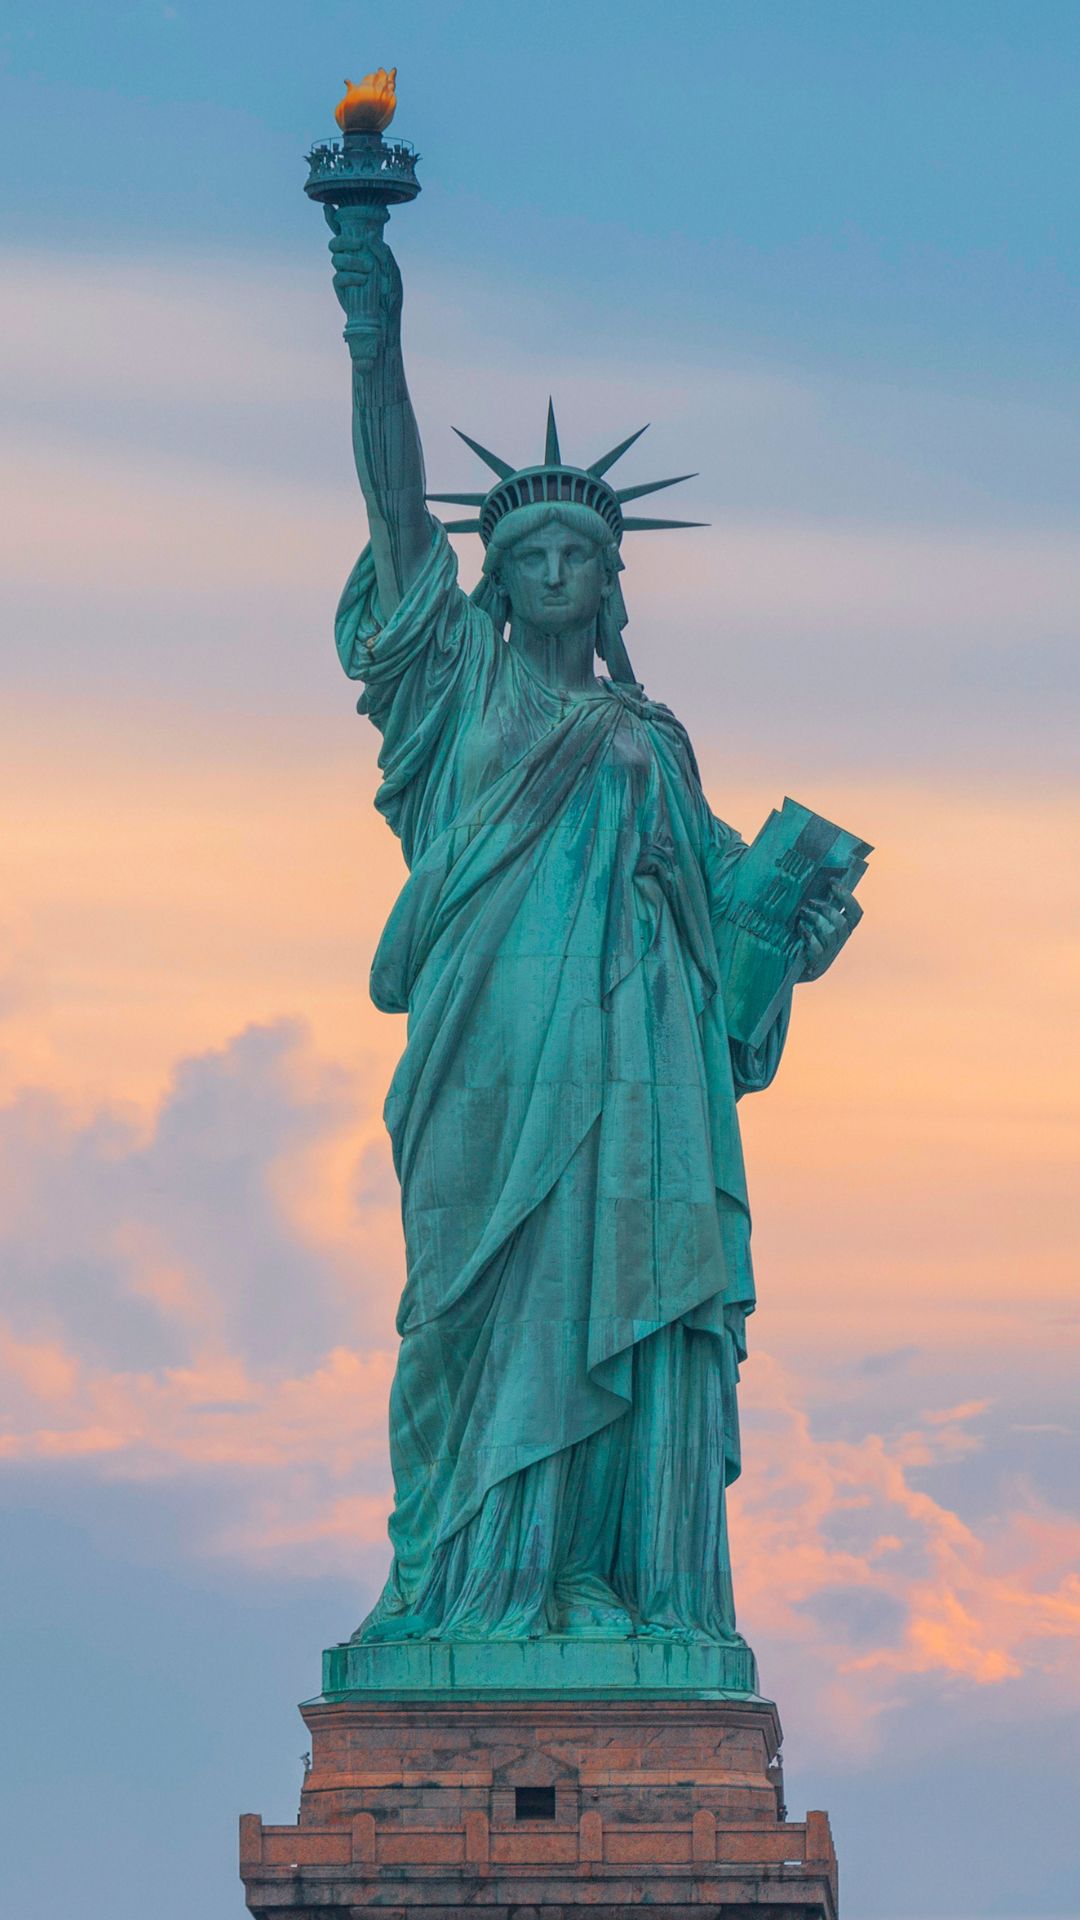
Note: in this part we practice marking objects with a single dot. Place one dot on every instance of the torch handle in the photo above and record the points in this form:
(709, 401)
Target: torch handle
(364, 319)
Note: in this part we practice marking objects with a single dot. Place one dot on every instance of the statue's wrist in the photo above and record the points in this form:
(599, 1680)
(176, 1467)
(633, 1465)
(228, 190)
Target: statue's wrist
(383, 370)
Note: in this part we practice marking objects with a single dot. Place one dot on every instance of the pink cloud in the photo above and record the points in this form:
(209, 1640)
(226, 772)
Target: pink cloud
(205, 1298)
(346, 1534)
(979, 1605)
(42, 1366)
(212, 1413)
(815, 1521)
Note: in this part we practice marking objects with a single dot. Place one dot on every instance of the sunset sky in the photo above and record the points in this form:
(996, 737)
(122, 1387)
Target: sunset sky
(832, 252)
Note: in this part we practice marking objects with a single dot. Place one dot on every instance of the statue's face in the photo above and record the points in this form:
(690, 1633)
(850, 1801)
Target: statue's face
(555, 579)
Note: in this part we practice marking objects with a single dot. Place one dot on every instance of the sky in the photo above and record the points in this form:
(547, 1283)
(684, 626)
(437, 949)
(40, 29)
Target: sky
(830, 251)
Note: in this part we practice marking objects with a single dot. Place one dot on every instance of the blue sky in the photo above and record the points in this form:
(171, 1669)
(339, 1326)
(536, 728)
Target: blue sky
(831, 251)
(843, 184)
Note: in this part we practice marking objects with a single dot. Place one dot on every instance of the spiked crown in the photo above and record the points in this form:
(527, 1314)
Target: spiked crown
(553, 482)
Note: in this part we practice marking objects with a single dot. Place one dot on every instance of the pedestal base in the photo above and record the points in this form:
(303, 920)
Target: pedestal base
(562, 1666)
(538, 1809)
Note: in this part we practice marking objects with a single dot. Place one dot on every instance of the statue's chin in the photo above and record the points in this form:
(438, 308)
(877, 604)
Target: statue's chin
(551, 623)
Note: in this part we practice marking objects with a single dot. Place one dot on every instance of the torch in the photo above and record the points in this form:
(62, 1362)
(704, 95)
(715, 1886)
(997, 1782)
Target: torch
(358, 180)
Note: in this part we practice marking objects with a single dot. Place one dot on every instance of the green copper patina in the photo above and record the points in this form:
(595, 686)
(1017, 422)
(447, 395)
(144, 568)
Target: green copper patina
(563, 1422)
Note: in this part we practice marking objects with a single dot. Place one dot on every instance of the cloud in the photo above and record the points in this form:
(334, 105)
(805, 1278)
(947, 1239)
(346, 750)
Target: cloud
(223, 1226)
(201, 1260)
(888, 1361)
(204, 1295)
(207, 1293)
(915, 1157)
(853, 1578)
(173, 881)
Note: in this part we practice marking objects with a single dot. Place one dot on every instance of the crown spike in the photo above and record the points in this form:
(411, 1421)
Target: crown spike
(502, 467)
(606, 460)
(458, 499)
(552, 455)
(462, 526)
(633, 524)
(651, 486)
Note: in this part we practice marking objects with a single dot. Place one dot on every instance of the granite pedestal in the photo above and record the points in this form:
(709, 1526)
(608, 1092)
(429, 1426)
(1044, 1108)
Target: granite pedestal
(437, 1802)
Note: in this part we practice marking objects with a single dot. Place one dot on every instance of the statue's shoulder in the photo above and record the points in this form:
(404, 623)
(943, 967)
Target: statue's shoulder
(662, 720)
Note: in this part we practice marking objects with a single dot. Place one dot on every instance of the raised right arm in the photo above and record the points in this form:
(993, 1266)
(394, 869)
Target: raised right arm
(386, 440)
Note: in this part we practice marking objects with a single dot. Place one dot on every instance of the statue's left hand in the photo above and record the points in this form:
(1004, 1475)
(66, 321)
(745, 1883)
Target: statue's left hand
(824, 926)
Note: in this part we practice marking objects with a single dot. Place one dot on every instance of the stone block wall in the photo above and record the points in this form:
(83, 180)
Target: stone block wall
(415, 1807)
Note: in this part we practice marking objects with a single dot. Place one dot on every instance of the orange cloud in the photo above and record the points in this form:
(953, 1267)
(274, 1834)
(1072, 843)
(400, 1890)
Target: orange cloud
(342, 1535)
(42, 1366)
(212, 1413)
(148, 922)
(815, 1521)
(983, 1606)
(920, 1102)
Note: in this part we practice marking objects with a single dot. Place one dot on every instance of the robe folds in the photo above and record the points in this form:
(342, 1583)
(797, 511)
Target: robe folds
(563, 1417)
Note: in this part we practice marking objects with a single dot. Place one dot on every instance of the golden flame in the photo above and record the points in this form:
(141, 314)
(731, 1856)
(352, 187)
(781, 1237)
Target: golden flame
(368, 106)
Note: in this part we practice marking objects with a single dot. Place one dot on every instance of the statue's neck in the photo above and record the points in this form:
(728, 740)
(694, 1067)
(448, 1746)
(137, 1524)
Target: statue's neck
(564, 660)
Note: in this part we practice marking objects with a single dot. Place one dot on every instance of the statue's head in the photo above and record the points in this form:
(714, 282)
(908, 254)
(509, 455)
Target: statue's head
(556, 567)
(551, 535)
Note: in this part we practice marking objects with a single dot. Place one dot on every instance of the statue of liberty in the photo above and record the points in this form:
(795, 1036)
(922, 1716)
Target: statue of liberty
(563, 1421)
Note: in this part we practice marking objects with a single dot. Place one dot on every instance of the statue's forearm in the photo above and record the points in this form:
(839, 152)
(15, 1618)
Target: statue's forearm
(386, 442)
(390, 466)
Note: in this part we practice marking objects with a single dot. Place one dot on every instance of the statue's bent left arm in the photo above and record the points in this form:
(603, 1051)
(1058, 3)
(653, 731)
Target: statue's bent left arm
(386, 439)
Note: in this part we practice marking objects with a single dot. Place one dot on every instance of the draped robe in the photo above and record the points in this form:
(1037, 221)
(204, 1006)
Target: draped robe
(563, 1418)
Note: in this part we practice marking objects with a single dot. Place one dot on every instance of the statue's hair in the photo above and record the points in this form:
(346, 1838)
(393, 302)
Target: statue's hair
(491, 595)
